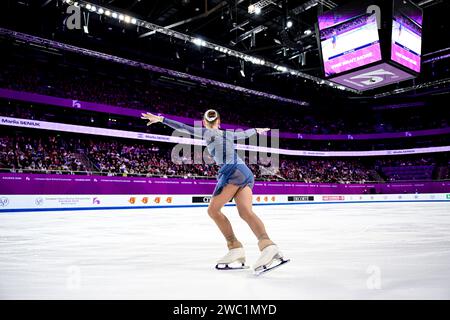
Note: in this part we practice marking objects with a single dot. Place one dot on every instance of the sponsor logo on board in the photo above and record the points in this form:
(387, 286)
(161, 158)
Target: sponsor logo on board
(300, 198)
(39, 201)
(204, 199)
(333, 198)
(4, 201)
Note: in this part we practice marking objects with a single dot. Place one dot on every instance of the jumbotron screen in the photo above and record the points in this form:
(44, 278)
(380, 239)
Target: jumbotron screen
(351, 44)
(407, 35)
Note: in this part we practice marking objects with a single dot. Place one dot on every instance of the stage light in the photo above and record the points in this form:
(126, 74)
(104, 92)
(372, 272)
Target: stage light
(255, 8)
(198, 42)
(242, 71)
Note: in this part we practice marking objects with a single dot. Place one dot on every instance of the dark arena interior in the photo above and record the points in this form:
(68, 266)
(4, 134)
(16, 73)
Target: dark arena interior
(352, 180)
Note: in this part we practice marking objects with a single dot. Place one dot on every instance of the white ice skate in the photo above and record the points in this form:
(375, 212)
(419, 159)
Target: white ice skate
(269, 255)
(233, 260)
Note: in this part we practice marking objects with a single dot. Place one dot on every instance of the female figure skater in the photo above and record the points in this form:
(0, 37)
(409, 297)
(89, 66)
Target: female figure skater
(235, 180)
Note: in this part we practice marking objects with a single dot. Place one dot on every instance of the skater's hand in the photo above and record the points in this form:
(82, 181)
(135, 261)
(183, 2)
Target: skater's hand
(262, 130)
(151, 118)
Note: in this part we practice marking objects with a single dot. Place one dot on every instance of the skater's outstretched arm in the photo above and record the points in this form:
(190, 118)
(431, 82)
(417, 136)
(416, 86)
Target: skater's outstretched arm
(248, 133)
(173, 124)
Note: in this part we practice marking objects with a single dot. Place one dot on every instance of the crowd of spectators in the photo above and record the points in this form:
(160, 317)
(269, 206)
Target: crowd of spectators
(334, 171)
(416, 168)
(25, 152)
(40, 154)
(114, 158)
(406, 162)
(137, 90)
(103, 120)
(57, 154)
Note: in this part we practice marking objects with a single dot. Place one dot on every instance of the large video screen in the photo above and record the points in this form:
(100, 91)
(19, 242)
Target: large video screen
(407, 35)
(349, 45)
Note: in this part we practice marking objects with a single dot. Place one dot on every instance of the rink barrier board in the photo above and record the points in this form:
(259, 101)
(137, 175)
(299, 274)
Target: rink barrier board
(53, 184)
(23, 203)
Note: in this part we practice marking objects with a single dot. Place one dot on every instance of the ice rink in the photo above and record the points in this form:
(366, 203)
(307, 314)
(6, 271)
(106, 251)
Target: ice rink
(337, 251)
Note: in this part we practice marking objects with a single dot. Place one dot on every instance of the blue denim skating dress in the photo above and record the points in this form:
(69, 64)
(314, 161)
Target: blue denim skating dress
(220, 145)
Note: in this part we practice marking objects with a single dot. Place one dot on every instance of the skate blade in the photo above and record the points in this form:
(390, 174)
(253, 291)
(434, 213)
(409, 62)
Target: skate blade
(263, 270)
(228, 267)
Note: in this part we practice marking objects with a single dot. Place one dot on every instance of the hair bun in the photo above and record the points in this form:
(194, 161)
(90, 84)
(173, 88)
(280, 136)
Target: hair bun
(211, 115)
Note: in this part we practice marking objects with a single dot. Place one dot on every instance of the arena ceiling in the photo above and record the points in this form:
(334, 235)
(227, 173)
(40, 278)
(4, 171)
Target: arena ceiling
(227, 23)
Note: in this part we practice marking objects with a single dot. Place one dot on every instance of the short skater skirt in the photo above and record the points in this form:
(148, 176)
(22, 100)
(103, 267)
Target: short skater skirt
(237, 174)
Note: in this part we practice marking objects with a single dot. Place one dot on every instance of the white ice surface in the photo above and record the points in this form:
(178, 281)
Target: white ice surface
(340, 251)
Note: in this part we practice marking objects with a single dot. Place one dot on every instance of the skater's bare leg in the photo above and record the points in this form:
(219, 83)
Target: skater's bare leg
(244, 205)
(216, 204)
